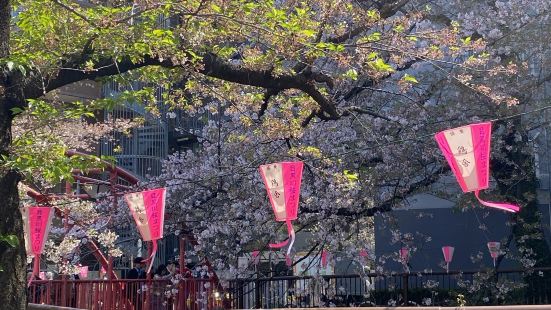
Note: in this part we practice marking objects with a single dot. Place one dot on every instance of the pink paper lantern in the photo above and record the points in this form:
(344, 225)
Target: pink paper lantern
(448, 255)
(467, 150)
(493, 247)
(404, 255)
(148, 210)
(363, 253)
(83, 272)
(37, 222)
(404, 258)
(256, 257)
(324, 260)
(282, 181)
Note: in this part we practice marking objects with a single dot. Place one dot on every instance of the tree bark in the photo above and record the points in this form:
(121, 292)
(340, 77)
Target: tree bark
(12, 260)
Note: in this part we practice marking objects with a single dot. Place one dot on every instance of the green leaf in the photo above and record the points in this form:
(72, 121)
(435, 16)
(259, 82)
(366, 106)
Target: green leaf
(308, 32)
(351, 176)
(372, 55)
(410, 79)
(399, 28)
(16, 110)
(11, 240)
(467, 40)
(375, 36)
(373, 14)
(351, 74)
(216, 8)
(380, 65)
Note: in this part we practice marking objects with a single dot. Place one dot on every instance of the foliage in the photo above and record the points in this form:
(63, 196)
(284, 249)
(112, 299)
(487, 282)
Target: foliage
(9, 240)
(353, 89)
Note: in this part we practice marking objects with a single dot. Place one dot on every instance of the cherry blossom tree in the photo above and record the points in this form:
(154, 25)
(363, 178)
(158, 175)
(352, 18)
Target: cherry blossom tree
(352, 88)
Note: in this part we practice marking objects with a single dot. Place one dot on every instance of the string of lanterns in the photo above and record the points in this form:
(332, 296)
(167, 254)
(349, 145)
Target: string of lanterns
(466, 149)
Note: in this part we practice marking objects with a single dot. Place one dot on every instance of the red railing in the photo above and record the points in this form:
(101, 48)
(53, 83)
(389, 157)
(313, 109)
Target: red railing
(189, 294)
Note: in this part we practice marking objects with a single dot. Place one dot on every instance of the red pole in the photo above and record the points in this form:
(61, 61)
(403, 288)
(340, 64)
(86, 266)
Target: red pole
(99, 256)
(147, 303)
(182, 262)
(108, 295)
(66, 226)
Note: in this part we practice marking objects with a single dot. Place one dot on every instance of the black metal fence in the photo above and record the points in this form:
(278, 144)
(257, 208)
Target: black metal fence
(417, 288)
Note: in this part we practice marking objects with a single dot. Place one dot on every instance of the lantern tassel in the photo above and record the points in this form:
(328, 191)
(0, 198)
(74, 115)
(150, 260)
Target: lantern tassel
(292, 237)
(290, 241)
(36, 269)
(502, 206)
(151, 259)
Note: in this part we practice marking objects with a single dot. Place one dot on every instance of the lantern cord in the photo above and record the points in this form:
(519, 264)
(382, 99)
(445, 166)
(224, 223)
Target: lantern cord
(480, 224)
(498, 205)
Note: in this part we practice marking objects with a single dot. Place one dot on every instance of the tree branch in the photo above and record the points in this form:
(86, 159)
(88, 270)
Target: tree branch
(390, 203)
(212, 66)
(267, 95)
(385, 12)
(349, 110)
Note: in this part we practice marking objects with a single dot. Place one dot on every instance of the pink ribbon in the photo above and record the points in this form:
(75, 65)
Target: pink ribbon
(36, 269)
(281, 244)
(151, 258)
(498, 205)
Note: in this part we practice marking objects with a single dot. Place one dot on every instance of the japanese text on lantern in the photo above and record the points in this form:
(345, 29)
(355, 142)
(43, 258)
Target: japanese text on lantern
(274, 181)
(37, 231)
(154, 213)
(461, 142)
(293, 186)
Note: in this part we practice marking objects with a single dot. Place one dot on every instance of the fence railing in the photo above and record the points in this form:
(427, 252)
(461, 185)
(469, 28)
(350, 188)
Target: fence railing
(510, 287)
(419, 288)
(189, 294)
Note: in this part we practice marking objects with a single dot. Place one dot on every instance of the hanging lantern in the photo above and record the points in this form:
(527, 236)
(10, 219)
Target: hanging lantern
(448, 256)
(404, 255)
(282, 181)
(256, 257)
(324, 260)
(148, 210)
(37, 222)
(83, 272)
(467, 150)
(493, 247)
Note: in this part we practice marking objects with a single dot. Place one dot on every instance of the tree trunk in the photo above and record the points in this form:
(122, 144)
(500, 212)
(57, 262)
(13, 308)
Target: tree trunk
(13, 293)
(12, 260)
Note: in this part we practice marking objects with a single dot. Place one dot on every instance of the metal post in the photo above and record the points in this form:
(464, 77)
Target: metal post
(257, 299)
(405, 288)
